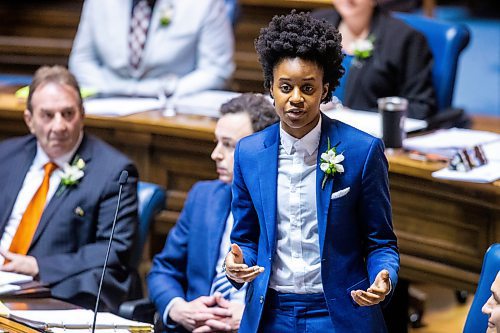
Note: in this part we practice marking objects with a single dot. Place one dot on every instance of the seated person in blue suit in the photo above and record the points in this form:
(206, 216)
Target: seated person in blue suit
(151, 47)
(492, 307)
(59, 195)
(186, 282)
(383, 57)
(312, 215)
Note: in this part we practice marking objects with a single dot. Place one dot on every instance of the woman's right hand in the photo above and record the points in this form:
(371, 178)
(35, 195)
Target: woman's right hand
(236, 270)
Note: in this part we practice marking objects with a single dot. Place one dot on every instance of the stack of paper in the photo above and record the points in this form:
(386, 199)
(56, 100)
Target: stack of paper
(448, 142)
(9, 281)
(76, 320)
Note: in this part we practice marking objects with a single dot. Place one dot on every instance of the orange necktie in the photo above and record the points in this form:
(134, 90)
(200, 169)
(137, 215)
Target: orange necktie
(31, 217)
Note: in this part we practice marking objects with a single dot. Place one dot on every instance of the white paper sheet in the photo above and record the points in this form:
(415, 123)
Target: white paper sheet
(206, 103)
(8, 278)
(370, 122)
(484, 174)
(120, 106)
(7, 288)
(75, 319)
(446, 142)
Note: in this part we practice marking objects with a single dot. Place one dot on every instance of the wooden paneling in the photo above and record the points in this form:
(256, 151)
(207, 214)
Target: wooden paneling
(35, 33)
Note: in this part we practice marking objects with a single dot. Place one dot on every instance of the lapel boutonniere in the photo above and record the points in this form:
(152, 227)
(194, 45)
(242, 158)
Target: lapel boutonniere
(363, 48)
(330, 163)
(72, 174)
(166, 15)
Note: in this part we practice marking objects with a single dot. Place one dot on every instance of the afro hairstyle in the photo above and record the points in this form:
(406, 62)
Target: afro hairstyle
(298, 35)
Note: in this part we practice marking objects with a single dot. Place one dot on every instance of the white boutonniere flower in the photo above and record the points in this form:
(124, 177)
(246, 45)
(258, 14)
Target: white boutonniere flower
(72, 174)
(166, 15)
(330, 163)
(363, 48)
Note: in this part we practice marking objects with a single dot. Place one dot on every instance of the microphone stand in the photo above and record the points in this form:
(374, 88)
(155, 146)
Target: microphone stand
(122, 181)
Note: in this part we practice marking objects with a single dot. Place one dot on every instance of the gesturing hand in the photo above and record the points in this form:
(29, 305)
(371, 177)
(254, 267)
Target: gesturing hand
(19, 263)
(377, 291)
(236, 270)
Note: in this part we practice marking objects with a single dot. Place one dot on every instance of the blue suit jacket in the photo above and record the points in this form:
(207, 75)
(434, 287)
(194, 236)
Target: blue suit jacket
(355, 231)
(70, 248)
(186, 266)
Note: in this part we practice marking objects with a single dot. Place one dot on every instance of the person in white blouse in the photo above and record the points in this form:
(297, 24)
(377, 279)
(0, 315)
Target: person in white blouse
(312, 231)
(187, 47)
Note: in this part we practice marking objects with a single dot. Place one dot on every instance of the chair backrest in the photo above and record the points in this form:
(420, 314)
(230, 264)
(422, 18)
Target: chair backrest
(477, 322)
(233, 10)
(151, 201)
(446, 41)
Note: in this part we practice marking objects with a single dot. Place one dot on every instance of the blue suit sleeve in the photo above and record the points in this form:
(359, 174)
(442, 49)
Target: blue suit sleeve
(167, 278)
(246, 229)
(381, 249)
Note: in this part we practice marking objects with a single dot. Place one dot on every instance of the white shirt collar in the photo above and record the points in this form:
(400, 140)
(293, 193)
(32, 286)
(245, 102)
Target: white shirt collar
(41, 157)
(308, 143)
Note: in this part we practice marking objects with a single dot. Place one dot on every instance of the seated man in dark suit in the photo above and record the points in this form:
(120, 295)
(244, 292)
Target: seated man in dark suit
(59, 195)
(186, 282)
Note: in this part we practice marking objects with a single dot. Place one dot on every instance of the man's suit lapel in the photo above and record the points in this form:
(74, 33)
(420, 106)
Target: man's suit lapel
(268, 181)
(323, 194)
(216, 224)
(57, 200)
(19, 165)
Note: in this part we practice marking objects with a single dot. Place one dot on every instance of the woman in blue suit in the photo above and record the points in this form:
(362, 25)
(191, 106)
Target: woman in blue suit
(313, 228)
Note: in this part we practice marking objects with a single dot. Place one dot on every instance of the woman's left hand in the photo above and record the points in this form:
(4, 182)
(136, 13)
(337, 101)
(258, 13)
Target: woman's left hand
(377, 291)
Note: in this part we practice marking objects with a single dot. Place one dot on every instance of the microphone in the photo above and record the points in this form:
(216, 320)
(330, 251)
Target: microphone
(122, 181)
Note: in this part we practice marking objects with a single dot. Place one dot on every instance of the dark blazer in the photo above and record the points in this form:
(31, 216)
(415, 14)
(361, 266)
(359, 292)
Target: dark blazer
(70, 248)
(356, 238)
(401, 65)
(186, 265)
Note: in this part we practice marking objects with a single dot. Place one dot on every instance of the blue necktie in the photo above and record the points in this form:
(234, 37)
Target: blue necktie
(221, 284)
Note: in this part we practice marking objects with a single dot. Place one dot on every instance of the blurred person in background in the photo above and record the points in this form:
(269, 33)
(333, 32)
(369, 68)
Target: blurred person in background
(58, 199)
(492, 307)
(383, 57)
(152, 47)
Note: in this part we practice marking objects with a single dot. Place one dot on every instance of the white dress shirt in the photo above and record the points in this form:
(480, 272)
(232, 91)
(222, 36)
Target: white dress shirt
(32, 182)
(297, 264)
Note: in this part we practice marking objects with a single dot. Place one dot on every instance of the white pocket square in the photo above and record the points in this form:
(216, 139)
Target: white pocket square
(340, 194)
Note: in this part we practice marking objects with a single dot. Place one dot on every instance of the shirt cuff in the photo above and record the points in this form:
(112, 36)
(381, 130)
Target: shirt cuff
(170, 323)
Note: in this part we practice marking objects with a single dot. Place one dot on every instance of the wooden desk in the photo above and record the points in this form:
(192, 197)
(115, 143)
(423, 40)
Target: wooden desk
(444, 227)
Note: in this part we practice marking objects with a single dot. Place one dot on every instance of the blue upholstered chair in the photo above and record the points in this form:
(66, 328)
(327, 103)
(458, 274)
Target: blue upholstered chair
(233, 10)
(446, 41)
(477, 322)
(151, 199)
(151, 202)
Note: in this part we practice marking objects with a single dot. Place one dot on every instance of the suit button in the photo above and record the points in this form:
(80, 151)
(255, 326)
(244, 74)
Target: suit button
(261, 299)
